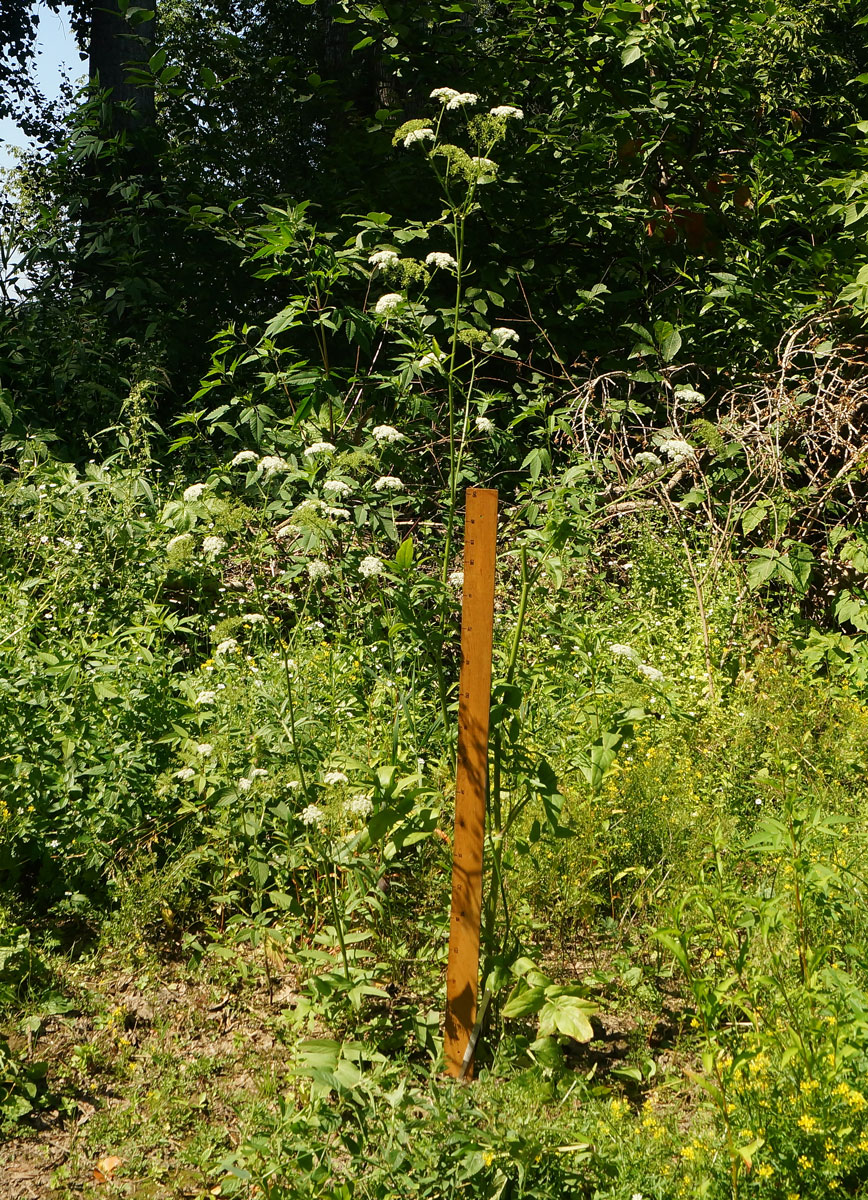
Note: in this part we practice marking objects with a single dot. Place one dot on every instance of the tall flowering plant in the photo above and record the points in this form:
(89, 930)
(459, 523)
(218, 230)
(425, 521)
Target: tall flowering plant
(335, 414)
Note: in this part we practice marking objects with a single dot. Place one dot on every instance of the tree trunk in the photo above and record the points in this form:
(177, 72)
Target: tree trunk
(115, 43)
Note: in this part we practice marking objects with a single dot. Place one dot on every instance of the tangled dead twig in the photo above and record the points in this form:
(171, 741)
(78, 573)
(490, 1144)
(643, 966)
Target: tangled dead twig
(794, 440)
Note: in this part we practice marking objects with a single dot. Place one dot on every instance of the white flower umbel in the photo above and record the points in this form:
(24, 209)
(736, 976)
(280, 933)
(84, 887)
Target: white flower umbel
(501, 336)
(259, 773)
(179, 542)
(206, 697)
(336, 487)
(444, 94)
(213, 545)
(486, 169)
(689, 395)
(194, 491)
(438, 258)
(244, 785)
(272, 464)
(332, 778)
(205, 749)
(311, 815)
(388, 304)
(456, 579)
(650, 673)
(371, 565)
(317, 569)
(463, 100)
(622, 651)
(508, 111)
(229, 646)
(360, 806)
(185, 774)
(646, 459)
(319, 448)
(388, 483)
(244, 456)
(387, 433)
(484, 424)
(418, 135)
(677, 450)
(252, 619)
(336, 514)
(383, 258)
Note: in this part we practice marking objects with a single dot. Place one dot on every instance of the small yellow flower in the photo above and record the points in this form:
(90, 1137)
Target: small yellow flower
(488, 1158)
(765, 1171)
(807, 1123)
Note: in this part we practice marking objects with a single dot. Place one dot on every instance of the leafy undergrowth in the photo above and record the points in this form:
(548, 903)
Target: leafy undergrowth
(227, 848)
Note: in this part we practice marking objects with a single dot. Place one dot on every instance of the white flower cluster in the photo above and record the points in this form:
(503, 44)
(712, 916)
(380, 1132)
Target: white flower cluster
(246, 782)
(418, 135)
(317, 569)
(213, 545)
(369, 566)
(444, 94)
(646, 459)
(194, 492)
(501, 336)
(507, 111)
(456, 579)
(387, 433)
(336, 514)
(388, 483)
(688, 395)
(229, 646)
(205, 749)
(360, 806)
(206, 697)
(336, 487)
(677, 450)
(311, 815)
(271, 464)
(252, 619)
(244, 456)
(332, 778)
(484, 424)
(319, 448)
(462, 100)
(622, 651)
(438, 258)
(388, 304)
(484, 166)
(650, 673)
(383, 258)
(185, 774)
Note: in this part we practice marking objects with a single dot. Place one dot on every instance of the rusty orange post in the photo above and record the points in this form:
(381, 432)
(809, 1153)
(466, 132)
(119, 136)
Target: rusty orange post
(477, 621)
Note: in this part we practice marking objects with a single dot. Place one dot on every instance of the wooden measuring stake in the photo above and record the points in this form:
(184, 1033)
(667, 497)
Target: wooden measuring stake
(477, 620)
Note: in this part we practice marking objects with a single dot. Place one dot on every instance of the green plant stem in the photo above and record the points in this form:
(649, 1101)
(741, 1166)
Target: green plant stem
(339, 927)
(458, 230)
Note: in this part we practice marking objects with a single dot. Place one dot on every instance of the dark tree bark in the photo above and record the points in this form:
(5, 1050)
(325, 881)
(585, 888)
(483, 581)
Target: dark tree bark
(116, 43)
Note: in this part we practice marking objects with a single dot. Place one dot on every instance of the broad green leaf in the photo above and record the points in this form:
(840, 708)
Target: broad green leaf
(524, 1000)
(404, 557)
(567, 1015)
